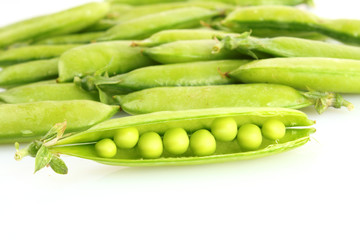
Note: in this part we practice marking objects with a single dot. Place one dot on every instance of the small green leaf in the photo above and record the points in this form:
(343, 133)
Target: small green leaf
(58, 165)
(43, 158)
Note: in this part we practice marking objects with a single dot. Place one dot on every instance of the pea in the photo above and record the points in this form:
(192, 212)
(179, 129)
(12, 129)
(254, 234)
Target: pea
(273, 129)
(224, 129)
(176, 141)
(202, 143)
(106, 148)
(150, 145)
(249, 137)
(126, 137)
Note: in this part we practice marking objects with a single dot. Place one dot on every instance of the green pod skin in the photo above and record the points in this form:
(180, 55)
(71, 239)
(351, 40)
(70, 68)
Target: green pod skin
(271, 21)
(319, 74)
(32, 53)
(196, 74)
(65, 22)
(173, 35)
(289, 47)
(262, 2)
(46, 91)
(79, 38)
(141, 2)
(29, 121)
(82, 144)
(240, 95)
(141, 11)
(117, 10)
(189, 51)
(140, 28)
(112, 57)
(28, 72)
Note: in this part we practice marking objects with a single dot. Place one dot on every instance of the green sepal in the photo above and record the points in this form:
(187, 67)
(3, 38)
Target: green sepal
(43, 158)
(324, 100)
(58, 165)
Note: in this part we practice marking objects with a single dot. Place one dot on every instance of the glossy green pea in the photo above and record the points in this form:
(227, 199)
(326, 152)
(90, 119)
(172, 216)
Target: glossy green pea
(81, 144)
(65, 22)
(199, 73)
(173, 35)
(28, 72)
(249, 137)
(288, 21)
(70, 39)
(176, 141)
(144, 10)
(140, 28)
(106, 148)
(126, 137)
(150, 145)
(224, 129)
(189, 51)
(289, 47)
(202, 143)
(273, 129)
(239, 95)
(28, 121)
(320, 74)
(110, 57)
(32, 53)
(46, 91)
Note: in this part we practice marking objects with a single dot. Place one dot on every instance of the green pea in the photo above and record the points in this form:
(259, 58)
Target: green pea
(176, 141)
(273, 129)
(126, 137)
(202, 143)
(150, 145)
(224, 129)
(249, 137)
(106, 148)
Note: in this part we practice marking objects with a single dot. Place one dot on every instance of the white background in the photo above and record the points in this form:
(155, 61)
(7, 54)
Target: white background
(309, 193)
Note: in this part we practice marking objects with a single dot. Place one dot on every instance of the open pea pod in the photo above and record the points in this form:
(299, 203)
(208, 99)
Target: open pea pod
(82, 144)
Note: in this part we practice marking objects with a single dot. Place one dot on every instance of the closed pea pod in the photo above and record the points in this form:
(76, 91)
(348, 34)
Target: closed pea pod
(200, 73)
(189, 51)
(68, 21)
(240, 95)
(287, 47)
(262, 2)
(46, 91)
(110, 57)
(139, 28)
(320, 74)
(29, 72)
(29, 121)
(82, 143)
(31, 53)
(70, 39)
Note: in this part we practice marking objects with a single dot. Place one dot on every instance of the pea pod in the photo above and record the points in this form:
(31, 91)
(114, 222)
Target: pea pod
(173, 35)
(82, 144)
(142, 2)
(288, 47)
(196, 74)
(70, 39)
(117, 10)
(189, 51)
(111, 57)
(320, 74)
(280, 20)
(65, 22)
(28, 72)
(29, 121)
(148, 9)
(140, 28)
(32, 53)
(241, 95)
(46, 91)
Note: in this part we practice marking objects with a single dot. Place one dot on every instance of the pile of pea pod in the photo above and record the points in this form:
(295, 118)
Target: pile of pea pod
(200, 81)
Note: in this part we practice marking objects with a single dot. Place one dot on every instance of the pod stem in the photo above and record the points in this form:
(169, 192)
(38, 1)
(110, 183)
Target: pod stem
(39, 149)
(324, 100)
(242, 43)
